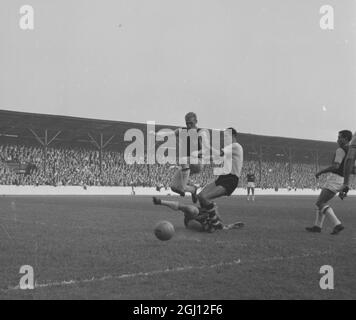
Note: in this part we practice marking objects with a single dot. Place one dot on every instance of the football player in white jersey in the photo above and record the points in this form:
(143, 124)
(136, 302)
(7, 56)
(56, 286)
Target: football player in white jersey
(332, 186)
(349, 167)
(228, 181)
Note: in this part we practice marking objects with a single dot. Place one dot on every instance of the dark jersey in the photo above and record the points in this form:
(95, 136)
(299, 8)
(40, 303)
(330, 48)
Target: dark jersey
(251, 177)
(340, 171)
(188, 142)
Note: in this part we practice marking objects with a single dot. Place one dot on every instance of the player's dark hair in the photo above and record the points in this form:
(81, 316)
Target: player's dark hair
(346, 134)
(233, 131)
(191, 115)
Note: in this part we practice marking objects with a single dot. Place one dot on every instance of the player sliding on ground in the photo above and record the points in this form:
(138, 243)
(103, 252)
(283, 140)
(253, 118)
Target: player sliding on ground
(332, 186)
(198, 219)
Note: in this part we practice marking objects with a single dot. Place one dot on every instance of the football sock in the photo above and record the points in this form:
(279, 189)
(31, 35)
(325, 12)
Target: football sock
(319, 218)
(213, 211)
(330, 212)
(174, 205)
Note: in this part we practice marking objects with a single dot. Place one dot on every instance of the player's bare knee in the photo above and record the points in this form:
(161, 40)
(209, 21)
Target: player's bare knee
(190, 212)
(194, 225)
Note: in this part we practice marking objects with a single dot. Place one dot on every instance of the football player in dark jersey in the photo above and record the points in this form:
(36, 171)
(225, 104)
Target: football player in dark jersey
(251, 185)
(349, 167)
(332, 186)
(192, 141)
(198, 219)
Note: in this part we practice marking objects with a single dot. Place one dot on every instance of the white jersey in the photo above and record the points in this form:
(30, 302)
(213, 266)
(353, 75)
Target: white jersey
(233, 159)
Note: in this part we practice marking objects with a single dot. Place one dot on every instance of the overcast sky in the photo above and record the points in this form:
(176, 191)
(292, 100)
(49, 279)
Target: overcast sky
(264, 67)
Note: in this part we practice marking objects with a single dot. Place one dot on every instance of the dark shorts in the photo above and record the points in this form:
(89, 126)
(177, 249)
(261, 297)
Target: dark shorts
(229, 182)
(195, 168)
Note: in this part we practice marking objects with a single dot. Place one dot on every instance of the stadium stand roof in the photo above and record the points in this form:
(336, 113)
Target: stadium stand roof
(65, 129)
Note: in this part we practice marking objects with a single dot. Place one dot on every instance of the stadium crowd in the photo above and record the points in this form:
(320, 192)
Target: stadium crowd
(81, 166)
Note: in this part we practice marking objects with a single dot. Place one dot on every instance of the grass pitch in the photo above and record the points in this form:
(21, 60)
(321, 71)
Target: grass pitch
(104, 248)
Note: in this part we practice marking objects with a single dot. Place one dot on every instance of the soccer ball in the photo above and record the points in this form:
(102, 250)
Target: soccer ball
(164, 230)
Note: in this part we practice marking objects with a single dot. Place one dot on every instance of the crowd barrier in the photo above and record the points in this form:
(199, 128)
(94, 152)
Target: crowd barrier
(81, 191)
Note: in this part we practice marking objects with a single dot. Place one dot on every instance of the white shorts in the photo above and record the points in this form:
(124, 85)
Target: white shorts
(250, 184)
(334, 182)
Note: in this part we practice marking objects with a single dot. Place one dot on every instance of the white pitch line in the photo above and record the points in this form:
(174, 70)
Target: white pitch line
(276, 258)
(8, 234)
(164, 271)
(53, 225)
(128, 275)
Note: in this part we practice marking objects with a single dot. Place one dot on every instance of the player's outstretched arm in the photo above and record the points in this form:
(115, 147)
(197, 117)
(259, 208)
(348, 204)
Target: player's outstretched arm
(332, 168)
(215, 154)
(165, 133)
